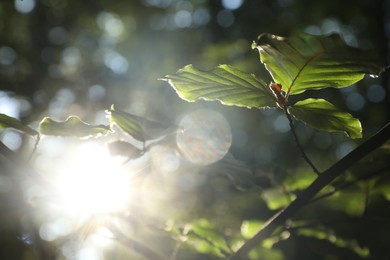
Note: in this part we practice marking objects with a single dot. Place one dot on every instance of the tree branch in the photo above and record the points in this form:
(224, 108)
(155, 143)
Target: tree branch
(322, 180)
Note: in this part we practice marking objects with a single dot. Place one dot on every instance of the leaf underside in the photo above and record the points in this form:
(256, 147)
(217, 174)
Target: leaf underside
(224, 83)
(11, 122)
(323, 115)
(71, 127)
(306, 61)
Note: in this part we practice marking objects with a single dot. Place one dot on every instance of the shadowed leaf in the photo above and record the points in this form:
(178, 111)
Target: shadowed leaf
(7, 121)
(121, 148)
(323, 115)
(224, 83)
(71, 127)
(305, 61)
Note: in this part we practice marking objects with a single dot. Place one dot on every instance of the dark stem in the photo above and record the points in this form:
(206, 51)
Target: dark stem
(38, 138)
(318, 184)
(292, 127)
(378, 172)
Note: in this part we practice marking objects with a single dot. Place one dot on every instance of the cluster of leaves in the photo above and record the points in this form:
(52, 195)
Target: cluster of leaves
(296, 64)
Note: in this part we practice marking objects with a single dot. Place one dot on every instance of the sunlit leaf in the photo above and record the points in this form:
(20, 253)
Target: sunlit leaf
(323, 115)
(304, 61)
(73, 126)
(139, 128)
(7, 121)
(249, 228)
(276, 198)
(224, 83)
(204, 230)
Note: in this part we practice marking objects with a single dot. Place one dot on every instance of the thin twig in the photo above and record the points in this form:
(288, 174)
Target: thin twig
(292, 127)
(348, 184)
(318, 184)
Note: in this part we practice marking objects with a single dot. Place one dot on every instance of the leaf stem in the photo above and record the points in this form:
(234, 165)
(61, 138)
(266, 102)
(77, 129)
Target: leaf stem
(292, 127)
(318, 184)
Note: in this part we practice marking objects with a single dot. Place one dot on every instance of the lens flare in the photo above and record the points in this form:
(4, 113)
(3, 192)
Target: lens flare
(206, 137)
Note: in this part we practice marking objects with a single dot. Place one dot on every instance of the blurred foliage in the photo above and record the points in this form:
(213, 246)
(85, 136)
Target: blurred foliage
(59, 58)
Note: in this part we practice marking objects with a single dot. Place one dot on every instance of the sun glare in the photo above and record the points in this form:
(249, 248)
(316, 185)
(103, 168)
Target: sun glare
(89, 181)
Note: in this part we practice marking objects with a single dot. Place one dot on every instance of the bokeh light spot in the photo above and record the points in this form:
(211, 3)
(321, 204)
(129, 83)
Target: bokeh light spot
(116, 62)
(25, 6)
(225, 18)
(232, 4)
(281, 124)
(111, 24)
(201, 16)
(12, 139)
(376, 93)
(7, 55)
(343, 149)
(206, 137)
(355, 101)
(183, 19)
(96, 93)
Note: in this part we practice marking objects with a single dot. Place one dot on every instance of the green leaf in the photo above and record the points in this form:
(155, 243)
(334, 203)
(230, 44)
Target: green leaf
(204, 230)
(139, 128)
(71, 127)
(7, 121)
(224, 83)
(323, 115)
(305, 61)
(276, 198)
(249, 228)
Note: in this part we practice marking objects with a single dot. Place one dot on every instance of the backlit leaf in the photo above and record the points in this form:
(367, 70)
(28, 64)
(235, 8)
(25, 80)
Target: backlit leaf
(71, 127)
(224, 83)
(139, 128)
(306, 61)
(204, 230)
(7, 121)
(323, 115)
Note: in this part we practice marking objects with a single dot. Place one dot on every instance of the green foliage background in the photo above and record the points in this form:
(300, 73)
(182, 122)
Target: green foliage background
(79, 57)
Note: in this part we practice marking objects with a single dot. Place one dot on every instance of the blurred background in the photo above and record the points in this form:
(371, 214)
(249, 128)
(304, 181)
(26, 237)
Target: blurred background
(69, 57)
